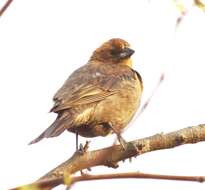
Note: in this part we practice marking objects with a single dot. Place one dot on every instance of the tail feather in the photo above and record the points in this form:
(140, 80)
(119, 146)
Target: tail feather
(40, 137)
(61, 123)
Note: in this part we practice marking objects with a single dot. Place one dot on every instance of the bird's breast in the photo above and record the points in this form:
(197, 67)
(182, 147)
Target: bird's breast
(119, 108)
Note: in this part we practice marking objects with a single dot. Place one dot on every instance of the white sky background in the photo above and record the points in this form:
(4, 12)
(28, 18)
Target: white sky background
(42, 42)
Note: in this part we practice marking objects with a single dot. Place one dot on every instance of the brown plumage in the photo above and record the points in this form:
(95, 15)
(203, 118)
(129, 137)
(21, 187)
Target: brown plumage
(100, 97)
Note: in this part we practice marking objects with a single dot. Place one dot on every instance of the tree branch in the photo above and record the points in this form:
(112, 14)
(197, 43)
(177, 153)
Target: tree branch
(5, 6)
(110, 156)
(137, 175)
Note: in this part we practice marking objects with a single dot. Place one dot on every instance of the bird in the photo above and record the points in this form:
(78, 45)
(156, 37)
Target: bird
(99, 98)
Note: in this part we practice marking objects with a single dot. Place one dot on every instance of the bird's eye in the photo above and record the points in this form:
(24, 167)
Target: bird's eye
(115, 52)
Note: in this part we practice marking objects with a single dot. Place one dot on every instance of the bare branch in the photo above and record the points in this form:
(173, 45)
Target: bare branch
(51, 183)
(6, 5)
(110, 156)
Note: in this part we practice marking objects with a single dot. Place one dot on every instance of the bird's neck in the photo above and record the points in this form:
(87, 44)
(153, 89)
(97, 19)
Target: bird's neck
(127, 62)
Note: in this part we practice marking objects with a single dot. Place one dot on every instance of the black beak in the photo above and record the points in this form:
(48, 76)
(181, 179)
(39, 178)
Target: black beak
(126, 53)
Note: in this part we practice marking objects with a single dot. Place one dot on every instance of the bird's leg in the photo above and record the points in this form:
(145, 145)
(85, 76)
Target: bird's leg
(121, 140)
(79, 148)
(76, 140)
(125, 145)
(84, 150)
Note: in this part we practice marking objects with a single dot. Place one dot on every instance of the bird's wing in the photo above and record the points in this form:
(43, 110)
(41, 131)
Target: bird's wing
(95, 94)
(86, 85)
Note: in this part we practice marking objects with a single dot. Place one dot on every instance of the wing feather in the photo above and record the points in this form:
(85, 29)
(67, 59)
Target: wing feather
(87, 85)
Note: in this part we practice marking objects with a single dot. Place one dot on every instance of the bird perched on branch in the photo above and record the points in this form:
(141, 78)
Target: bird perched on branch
(99, 98)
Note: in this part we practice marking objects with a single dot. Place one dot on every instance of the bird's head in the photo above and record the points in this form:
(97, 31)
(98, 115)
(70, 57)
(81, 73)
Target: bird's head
(116, 51)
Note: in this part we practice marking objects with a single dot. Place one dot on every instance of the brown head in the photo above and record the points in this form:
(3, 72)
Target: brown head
(116, 51)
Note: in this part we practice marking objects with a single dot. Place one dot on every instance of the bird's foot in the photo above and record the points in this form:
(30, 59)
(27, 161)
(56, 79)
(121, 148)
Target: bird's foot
(122, 141)
(83, 149)
(80, 149)
(128, 145)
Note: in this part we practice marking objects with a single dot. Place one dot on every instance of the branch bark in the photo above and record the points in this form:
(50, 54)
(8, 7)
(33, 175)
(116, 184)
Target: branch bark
(110, 156)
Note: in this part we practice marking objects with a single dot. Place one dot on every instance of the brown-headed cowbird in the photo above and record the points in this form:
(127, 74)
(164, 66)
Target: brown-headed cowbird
(100, 97)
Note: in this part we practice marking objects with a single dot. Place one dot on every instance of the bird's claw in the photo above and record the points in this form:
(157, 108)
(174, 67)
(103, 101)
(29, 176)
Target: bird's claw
(83, 149)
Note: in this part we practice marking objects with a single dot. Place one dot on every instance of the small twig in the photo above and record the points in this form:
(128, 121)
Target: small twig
(137, 175)
(5, 6)
(183, 11)
(53, 182)
(161, 79)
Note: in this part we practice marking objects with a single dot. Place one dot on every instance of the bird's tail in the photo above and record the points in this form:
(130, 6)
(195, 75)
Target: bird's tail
(62, 122)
